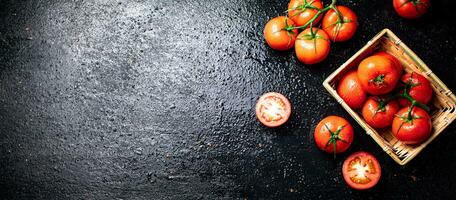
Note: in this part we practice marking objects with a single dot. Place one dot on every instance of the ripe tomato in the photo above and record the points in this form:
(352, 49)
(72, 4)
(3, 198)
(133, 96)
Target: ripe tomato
(411, 9)
(379, 113)
(361, 170)
(413, 128)
(279, 33)
(312, 46)
(396, 62)
(350, 90)
(273, 109)
(417, 86)
(377, 75)
(340, 29)
(302, 11)
(333, 134)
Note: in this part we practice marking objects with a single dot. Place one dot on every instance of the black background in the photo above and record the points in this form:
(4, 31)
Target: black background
(154, 100)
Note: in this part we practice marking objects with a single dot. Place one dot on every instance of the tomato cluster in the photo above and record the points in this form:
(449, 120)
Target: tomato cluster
(312, 44)
(386, 97)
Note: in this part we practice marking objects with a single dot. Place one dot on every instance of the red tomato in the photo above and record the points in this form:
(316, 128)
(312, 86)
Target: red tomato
(361, 170)
(396, 62)
(377, 75)
(350, 90)
(273, 109)
(411, 9)
(340, 29)
(302, 11)
(378, 113)
(312, 47)
(333, 134)
(412, 129)
(418, 87)
(279, 33)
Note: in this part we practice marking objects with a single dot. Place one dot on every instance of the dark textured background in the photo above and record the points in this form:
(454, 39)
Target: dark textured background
(115, 99)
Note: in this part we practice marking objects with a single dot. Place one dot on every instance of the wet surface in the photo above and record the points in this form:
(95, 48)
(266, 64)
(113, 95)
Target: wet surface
(154, 100)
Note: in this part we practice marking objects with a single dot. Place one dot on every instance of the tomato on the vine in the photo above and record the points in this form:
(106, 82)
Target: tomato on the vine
(417, 87)
(361, 170)
(411, 9)
(351, 91)
(340, 23)
(302, 11)
(312, 46)
(412, 126)
(378, 75)
(379, 112)
(333, 134)
(280, 33)
(273, 109)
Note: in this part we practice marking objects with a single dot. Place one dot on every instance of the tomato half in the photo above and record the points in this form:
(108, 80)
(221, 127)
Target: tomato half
(396, 62)
(378, 75)
(378, 112)
(361, 170)
(339, 28)
(302, 11)
(312, 46)
(333, 134)
(417, 86)
(414, 128)
(279, 33)
(351, 91)
(273, 109)
(411, 9)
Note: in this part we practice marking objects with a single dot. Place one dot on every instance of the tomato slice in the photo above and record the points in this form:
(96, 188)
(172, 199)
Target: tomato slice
(361, 170)
(273, 109)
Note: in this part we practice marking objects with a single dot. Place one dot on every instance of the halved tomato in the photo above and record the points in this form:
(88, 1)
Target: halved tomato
(361, 170)
(273, 109)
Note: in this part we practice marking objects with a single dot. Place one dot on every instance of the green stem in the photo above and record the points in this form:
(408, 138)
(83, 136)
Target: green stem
(407, 96)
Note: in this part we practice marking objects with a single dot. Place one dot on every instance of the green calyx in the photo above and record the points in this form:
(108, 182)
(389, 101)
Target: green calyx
(381, 105)
(335, 136)
(312, 36)
(379, 79)
(408, 118)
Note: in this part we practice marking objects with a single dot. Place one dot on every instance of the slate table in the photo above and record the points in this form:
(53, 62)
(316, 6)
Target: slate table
(113, 99)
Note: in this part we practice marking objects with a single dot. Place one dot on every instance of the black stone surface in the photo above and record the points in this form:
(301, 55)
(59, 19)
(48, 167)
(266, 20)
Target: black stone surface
(114, 99)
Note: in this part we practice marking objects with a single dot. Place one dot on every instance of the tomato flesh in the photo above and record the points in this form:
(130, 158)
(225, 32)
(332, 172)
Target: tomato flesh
(361, 170)
(273, 109)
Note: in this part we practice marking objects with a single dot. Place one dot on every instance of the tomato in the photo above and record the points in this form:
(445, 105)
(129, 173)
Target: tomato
(333, 134)
(350, 90)
(312, 47)
(340, 29)
(302, 11)
(279, 33)
(378, 112)
(377, 75)
(412, 128)
(417, 86)
(273, 109)
(411, 9)
(396, 62)
(361, 170)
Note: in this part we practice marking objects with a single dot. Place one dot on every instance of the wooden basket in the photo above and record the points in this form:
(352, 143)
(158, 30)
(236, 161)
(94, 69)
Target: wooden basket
(443, 104)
